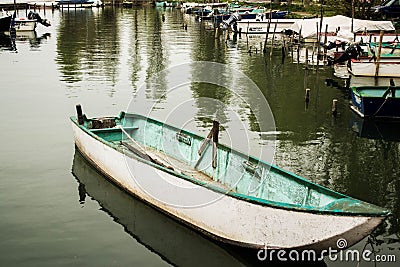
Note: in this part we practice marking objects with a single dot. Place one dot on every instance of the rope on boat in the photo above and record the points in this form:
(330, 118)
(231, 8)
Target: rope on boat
(391, 90)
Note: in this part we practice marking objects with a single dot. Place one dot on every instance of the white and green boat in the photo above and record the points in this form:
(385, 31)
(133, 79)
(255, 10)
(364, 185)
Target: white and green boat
(223, 193)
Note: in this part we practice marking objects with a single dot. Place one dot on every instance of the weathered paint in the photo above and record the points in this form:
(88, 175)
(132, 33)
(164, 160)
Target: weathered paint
(280, 220)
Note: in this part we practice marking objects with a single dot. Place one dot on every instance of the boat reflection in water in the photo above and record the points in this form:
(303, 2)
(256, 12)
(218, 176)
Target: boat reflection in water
(10, 42)
(375, 128)
(173, 241)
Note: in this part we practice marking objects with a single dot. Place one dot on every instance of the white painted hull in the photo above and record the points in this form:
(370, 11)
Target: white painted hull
(23, 24)
(89, 4)
(368, 69)
(45, 4)
(227, 219)
(252, 26)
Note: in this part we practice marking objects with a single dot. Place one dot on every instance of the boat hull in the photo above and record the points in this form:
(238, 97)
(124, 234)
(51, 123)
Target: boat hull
(79, 3)
(228, 219)
(387, 68)
(253, 26)
(375, 105)
(24, 24)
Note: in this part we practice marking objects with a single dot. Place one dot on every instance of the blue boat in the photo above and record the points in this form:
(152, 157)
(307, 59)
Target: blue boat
(376, 101)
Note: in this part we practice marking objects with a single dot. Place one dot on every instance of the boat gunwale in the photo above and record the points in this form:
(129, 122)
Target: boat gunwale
(239, 196)
(356, 90)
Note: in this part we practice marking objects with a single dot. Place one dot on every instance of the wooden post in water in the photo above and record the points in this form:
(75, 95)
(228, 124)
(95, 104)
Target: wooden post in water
(325, 40)
(268, 27)
(306, 62)
(334, 107)
(272, 41)
(298, 53)
(307, 96)
(318, 42)
(379, 54)
(299, 35)
(79, 114)
(215, 142)
(266, 37)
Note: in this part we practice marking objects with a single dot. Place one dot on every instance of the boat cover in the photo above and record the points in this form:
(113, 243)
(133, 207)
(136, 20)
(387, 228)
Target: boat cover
(309, 26)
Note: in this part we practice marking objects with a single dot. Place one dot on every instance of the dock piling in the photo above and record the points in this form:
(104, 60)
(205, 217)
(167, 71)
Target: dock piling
(306, 59)
(334, 107)
(379, 54)
(307, 96)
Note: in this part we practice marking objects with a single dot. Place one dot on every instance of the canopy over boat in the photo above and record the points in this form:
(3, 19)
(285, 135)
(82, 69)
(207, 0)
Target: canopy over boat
(309, 29)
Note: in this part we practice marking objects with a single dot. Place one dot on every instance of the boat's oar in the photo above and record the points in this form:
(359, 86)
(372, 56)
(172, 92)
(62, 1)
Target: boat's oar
(141, 152)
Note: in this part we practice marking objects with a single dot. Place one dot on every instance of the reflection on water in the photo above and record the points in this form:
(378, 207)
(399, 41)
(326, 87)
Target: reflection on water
(88, 45)
(375, 128)
(10, 42)
(174, 242)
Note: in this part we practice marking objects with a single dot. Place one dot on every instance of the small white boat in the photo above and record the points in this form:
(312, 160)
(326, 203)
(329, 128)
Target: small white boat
(45, 4)
(25, 24)
(261, 26)
(79, 3)
(29, 23)
(221, 192)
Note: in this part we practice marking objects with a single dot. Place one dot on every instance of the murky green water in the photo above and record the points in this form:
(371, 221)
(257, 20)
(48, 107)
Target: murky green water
(57, 211)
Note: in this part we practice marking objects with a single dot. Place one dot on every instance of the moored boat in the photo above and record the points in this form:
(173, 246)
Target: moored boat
(5, 21)
(261, 26)
(223, 193)
(79, 3)
(25, 24)
(30, 22)
(376, 101)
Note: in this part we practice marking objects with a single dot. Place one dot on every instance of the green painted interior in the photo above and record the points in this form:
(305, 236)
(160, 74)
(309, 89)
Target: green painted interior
(374, 91)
